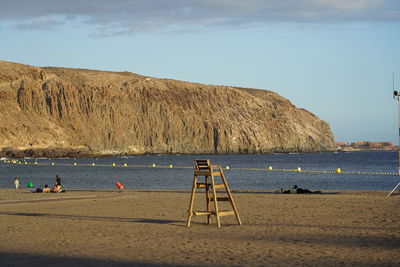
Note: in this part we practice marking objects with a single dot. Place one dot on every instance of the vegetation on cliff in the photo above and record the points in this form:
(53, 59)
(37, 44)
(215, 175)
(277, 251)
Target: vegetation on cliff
(71, 112)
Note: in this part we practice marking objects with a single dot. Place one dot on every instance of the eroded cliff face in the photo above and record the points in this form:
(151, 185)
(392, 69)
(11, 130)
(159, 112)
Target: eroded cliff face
(65, 112)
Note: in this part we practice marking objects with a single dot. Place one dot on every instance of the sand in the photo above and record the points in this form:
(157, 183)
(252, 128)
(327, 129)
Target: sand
(148, 228)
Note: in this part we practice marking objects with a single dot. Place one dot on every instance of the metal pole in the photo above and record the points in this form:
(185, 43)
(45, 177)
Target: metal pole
(398, 123)
(397, 97)
(393, 189)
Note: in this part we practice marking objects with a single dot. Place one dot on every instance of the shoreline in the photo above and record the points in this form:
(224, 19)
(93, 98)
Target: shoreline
(50, 154)
(27, 192)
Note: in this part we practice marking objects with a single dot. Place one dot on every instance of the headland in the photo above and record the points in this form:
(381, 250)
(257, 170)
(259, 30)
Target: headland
(60, 112)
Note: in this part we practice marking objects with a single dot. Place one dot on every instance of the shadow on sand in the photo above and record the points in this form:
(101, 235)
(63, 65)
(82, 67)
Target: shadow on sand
(17, 259)
(95, 218)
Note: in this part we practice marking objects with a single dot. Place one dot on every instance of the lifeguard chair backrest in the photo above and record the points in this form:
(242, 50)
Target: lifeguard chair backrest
(202, 166)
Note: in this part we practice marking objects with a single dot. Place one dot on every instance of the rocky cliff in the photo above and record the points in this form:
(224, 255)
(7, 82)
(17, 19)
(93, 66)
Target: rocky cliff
(72, 112)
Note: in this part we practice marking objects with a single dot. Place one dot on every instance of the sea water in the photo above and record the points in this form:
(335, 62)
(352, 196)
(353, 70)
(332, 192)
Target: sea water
(85, 175)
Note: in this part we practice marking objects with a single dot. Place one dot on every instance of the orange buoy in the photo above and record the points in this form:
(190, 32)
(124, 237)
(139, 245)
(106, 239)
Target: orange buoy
(119, 185)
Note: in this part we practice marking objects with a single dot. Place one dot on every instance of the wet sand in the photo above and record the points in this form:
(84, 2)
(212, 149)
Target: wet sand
(148, 228)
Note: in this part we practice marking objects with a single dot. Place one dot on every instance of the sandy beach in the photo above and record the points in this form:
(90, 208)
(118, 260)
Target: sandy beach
(148, 228)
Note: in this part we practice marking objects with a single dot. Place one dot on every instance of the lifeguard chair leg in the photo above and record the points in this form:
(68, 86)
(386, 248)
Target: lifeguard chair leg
(228, 191)
(192, 201)
(208, 200)
(215, 201)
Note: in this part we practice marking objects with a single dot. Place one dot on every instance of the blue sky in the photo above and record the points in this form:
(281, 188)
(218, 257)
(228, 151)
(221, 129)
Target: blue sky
(334, 58)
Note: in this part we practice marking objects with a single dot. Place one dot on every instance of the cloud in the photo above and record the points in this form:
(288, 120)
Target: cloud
(130, 16)
(46, 23)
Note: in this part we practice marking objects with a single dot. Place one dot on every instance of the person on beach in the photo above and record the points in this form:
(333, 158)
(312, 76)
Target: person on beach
(56, 189)
(46, 189)
(58, 180)
(298, 190)
(16, 183)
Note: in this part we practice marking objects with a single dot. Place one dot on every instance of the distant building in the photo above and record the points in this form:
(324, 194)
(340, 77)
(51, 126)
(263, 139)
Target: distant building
(366, 145)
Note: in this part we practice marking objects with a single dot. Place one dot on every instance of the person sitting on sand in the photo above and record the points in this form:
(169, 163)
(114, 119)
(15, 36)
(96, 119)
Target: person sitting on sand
(298, 190)
(46, 189)
(56, 189)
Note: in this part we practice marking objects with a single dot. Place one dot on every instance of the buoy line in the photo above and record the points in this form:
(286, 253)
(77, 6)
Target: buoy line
(125, 165)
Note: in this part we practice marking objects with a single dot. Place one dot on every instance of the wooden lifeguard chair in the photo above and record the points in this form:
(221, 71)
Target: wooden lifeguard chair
(203, 168)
